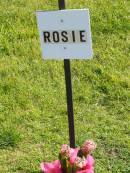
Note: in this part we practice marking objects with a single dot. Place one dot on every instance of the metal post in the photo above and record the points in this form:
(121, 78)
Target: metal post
(68, 91)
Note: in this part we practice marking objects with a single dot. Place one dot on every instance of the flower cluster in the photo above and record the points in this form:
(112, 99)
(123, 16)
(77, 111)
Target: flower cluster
(78, 160)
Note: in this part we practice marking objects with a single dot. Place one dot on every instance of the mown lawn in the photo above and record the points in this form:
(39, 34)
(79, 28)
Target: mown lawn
(33, 120)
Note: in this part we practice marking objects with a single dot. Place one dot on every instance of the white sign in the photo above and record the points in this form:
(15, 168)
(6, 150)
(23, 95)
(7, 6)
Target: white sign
(65, 34)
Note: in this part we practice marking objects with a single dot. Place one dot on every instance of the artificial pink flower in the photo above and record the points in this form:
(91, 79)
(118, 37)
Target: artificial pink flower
(88, 147)
(73, 155)
(80, 162)
(65, 151)
(90, 162)
(54, 167)
(83, 171)
(89, 166)
(86, 171)
(70, 153)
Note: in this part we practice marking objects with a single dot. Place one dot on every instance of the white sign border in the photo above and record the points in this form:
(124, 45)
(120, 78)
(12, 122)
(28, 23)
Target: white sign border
(45, 52)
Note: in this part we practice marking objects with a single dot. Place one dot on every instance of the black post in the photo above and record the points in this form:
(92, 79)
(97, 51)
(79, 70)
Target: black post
(69, 102)
(68, 91)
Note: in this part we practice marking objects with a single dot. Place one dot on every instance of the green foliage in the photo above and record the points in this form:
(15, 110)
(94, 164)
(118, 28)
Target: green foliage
(32, 93)
(9, 138)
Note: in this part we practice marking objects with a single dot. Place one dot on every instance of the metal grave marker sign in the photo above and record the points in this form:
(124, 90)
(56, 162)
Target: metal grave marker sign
(65, 34)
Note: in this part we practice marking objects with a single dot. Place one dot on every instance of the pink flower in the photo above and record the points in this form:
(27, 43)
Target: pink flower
(65, 151)
(90, 162)
(73, 155)
(70, 153)
(88, 147)
(80, 162)
(85, 171)
(54, 167)
(89, 166)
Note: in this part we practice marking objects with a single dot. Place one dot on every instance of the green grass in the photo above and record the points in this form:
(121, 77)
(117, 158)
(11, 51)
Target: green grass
(32, 91)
